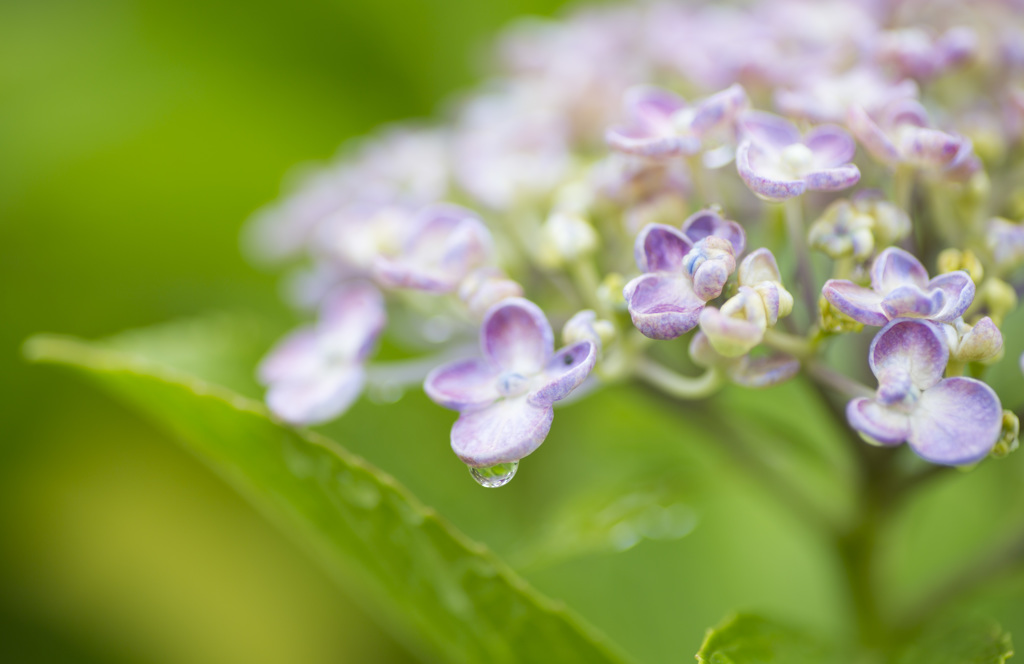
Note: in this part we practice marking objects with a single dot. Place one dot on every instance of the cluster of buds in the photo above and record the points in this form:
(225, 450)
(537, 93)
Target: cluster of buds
(535, 189)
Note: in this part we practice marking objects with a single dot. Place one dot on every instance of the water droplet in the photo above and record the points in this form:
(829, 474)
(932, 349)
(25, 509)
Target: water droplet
(494, 476)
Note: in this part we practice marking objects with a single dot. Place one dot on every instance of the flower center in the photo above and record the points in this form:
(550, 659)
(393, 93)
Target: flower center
(797, 157)
(512, 384)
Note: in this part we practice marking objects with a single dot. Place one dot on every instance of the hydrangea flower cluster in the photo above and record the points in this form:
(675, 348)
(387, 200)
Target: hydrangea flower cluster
(888, 143)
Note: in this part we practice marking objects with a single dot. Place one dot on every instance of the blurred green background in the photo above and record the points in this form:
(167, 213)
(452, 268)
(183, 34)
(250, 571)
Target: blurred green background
(135, 139)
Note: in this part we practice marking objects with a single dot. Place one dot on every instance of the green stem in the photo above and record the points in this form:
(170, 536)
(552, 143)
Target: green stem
(794, 345)
(677, 385)
(798, 239)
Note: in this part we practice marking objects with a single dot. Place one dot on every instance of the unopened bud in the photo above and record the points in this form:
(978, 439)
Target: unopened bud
(566, 237)
(951, 260)
(834, 321)
(586, 326)
(1009, 437)
(999, 297)
(610, 291)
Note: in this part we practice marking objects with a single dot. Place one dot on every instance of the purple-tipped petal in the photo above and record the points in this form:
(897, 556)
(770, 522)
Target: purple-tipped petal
(463, 385)
(768, 130)
(861, 304)
(884, 425)
(896, 267)
(757, 267)
(661, 248)
(295, 354)
(833, 179)
(638, 142)
(956, 422)
(351, 318)
(912, 302)
(516, 336)
(662, 306)
(929, 148)
(831, 146)
(719, 109)
(738, 326)
(564, 372)
(503, 432)
(982, 343)
(908, 349)
(871, 136)
(651, 131)
(709, 279)
(317, 396)
(708, 222)
(761, 178)
(448, 243)
(760, 372)
(958, 289)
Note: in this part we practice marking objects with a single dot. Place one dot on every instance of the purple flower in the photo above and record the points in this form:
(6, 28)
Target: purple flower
(505, 398)
(445, 245)
(683, 269)
(915, 53)
(652, 129)
(948, 421)
(776, 163)
(1005, 240)
(661, 124)
(315, 373)
(828, 98)
(900, 289)
(900, 134)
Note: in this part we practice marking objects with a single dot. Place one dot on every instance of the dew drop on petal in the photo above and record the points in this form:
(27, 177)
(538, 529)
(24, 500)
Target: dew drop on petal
(494, 476)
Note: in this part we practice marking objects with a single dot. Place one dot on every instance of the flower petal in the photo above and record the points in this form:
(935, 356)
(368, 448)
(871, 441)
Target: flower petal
(503, 432)
(861, 304)
(912, 302)
(765, 182)
(295, 354)
(981, 343)
(884, 425)
(958, 288)
(351, 318)
(833, 179)
(871, 136)
(564, 372)
(318, 396)
(759, 266)
(708, 222)
(929, 148)
(662, 306)
(516, 336)
(909, 349)
(768, 130)
(760, 372)
(956, 422)
(463, 385)
(830, 145)
(895, 267)
(661, 248)
(719, 109)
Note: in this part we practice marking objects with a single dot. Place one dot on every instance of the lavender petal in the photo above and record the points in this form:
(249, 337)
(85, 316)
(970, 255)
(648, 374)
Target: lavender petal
(463, 385)
(516, 336)
(861, 304)
(564, 372)
(956, 422)
(503, 432)
(662, 306)
(661, 248)
(880, 423)
(908, 350)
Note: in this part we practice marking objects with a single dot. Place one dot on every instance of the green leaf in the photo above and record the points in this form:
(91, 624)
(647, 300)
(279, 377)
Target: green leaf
(446, 595)
(964, 642)
(749, 639)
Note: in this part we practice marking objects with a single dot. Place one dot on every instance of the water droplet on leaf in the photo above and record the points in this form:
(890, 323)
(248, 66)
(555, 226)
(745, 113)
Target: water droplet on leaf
(494, 476)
